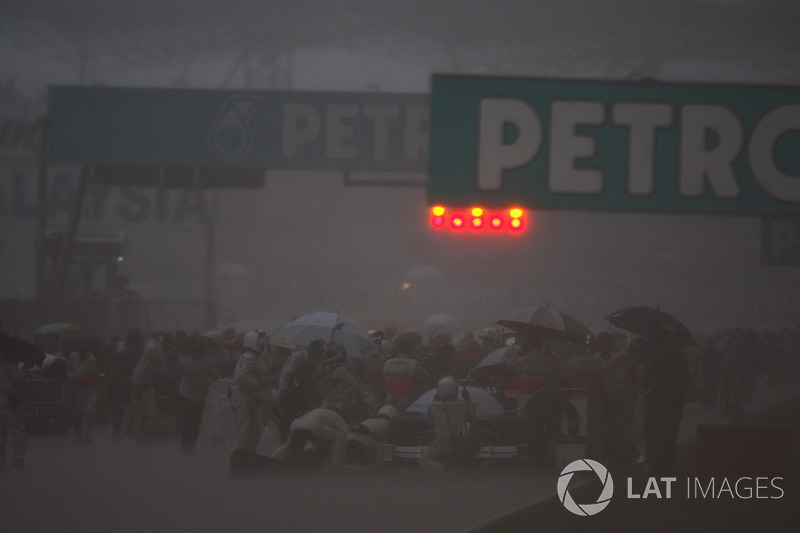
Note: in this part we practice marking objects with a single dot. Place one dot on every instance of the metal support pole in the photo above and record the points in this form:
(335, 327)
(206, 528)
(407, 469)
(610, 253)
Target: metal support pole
(40, 279)
(211, 304)
(64, 259)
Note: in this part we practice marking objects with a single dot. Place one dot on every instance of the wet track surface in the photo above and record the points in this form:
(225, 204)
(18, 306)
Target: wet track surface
(125, 486)
(109, 486)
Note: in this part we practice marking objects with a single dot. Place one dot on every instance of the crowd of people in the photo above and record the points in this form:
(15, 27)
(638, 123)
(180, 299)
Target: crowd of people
(633, 389)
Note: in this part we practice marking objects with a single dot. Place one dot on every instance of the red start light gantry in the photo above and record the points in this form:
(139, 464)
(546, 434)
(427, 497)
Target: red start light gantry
(478, 219)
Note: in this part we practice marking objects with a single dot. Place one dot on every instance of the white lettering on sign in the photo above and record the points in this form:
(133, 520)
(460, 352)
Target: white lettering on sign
(711, 141)
(642, 119)
(701, 163)
(352, 131)
(339, 130)
(775, 181)
(301, 125)
(103, 203)
(381, 117)
(495, 153)
(567, 147)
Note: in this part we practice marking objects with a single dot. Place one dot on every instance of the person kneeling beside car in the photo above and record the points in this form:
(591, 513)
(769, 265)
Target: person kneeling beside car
(449, 416)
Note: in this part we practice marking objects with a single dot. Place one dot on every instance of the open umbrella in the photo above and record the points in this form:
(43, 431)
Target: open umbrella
(545, 322)
(442, 322)
(64, 330)
(486, 405)
(496, 363)
(329, 327)
(649, 322)
(500, 356)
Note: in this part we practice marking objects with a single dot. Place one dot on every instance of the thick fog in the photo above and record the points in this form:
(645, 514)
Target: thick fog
(306, 242)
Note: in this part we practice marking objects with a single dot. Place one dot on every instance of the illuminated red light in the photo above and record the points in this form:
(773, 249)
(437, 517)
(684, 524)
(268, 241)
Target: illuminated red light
(509, 220)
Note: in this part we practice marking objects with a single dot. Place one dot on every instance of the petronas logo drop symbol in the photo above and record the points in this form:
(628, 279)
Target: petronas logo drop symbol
(230, 137)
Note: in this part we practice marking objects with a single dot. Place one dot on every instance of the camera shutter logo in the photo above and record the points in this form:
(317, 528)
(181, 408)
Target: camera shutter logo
(587, 509)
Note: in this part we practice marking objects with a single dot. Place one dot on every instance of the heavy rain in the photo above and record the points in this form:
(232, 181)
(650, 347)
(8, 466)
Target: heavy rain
(89, 251)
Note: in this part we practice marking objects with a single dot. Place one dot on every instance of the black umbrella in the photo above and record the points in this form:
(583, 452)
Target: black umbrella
(545, 322)
(652, 323)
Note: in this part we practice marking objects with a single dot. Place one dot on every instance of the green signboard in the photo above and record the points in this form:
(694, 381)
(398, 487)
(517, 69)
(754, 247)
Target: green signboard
(196, 128)
(621, 146)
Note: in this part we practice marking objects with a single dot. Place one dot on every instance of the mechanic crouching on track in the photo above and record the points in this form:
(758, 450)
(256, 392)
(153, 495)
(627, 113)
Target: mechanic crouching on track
(365, 441)
(324, 426)
(449, 416)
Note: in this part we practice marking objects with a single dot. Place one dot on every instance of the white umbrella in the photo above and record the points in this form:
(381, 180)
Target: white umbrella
(329, 327)
(442, 322)
(486, 405)
(499, 356)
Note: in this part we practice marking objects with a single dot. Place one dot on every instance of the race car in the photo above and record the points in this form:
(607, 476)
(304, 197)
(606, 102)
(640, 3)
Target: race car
(497, 433)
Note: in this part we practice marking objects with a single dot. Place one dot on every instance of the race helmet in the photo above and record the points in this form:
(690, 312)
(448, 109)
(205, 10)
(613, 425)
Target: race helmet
(388, 412)
(255, 341)
(447, 387)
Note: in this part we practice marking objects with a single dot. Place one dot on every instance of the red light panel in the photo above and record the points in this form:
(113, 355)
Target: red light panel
(478, 220)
